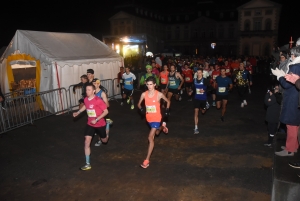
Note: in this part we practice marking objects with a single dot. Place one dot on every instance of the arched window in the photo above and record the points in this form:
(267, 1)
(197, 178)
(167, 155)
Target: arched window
(268, 24)
(247, 25)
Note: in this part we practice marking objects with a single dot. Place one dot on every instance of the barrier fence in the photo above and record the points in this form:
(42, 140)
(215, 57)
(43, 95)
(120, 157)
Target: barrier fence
(23, 107)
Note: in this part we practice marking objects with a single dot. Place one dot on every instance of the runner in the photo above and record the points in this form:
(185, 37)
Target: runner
(148, 73)
(96, 111)
(243, 80)
(214, 75)
(201, 85)
(164, 78)
(152, 99)
(174, 84)
(120, 80)
(102, 95)
(188, 80)
(128, 78)
(82, 84)
(222, 85)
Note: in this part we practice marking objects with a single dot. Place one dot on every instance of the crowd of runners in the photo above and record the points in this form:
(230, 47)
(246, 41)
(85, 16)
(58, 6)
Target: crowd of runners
(161, 84)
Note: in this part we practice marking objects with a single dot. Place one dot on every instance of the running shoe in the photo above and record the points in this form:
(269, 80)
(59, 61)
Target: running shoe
(180, 98)
(145, 164)
(242, 104)
(196, 131)
(132, 107)
(128, 100)
(121, 103)
(245, 102)
(98, 143)
(165, 129)
(295, 164)
(109, 121)
(207, 105)
(267, 144)
(222, 119)
(86, 167)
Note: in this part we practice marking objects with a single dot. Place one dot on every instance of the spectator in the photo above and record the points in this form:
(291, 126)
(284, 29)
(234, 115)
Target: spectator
(82, 84)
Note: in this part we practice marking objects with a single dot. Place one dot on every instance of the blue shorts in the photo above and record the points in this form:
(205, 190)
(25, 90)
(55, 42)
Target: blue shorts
(154, 124)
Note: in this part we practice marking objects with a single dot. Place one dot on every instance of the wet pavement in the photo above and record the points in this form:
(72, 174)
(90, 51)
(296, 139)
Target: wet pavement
(225, 161)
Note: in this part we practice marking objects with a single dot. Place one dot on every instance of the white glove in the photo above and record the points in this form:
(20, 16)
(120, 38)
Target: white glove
(278, 73)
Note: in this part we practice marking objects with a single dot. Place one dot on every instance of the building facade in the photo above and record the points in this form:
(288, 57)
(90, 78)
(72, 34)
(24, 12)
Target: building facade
(250, 29)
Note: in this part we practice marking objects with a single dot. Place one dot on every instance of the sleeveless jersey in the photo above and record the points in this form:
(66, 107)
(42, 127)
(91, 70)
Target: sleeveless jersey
(173, 81)
(199, 84)
(152, 107)
(164, 77)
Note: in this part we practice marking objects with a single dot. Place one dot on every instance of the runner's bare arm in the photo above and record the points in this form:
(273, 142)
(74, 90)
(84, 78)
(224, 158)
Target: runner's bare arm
(104, 98)
(75, 114)
(141, 99)
(181, 80)
(104, 113)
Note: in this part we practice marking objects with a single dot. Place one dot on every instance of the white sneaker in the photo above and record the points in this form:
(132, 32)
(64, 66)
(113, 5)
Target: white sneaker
(180, 98)
(98, 143)
(242, 104)
(245, 102)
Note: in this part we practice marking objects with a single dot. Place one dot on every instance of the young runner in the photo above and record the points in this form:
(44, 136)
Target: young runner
(214, 75)
(222, 85)
(188, 79)
(96, 111)
(152, 99)
(174, 84)
(128, 78)
(201, 85)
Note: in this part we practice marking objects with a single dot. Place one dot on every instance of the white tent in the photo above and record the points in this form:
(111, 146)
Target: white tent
(61, 58)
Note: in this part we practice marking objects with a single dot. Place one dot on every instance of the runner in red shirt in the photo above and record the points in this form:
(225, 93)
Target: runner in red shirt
(188, 75)
(248, 67)
(227, 68)
(96, 110)
(214, 75)
(164, 79)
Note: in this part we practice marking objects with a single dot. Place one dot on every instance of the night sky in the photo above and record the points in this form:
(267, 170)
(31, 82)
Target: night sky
(92, 17)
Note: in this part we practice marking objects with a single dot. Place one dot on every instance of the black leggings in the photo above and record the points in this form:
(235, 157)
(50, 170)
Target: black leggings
(242, 91)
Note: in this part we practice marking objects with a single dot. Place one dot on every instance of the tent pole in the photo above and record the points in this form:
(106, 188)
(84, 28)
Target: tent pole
(59, 86)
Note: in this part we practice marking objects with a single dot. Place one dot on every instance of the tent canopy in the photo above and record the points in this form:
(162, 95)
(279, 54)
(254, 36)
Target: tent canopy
(63, 48)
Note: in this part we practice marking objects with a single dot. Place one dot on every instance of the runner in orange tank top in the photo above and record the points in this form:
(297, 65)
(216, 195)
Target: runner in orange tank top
(164, 79)
(152, 99)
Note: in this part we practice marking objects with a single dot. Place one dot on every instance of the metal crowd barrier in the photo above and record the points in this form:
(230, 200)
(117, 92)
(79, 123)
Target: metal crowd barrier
(74, 96)
(20, 92)
(23, 110)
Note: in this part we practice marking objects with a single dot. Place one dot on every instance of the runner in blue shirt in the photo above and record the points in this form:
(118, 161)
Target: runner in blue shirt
(128, 79)
(222, 85)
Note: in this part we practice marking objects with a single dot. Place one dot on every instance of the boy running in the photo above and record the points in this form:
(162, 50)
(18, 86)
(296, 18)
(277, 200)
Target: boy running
(128, 79)
(152, 99)
(96, 110)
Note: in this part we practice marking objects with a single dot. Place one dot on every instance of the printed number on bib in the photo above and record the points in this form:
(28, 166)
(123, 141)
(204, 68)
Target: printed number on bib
(214, 77)
(187, 79)
(163, 80)
(127, 82)
(198, 91)
(227, 71)
(222, 89)
(121, 81)
(91, 113)
(151, 109)
(172, 83)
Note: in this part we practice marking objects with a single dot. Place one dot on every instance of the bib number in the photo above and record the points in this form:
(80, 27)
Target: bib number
(163, 80)
(187, 79)
(127, 83)
(121, 81)
(91, 113)
(214, 77)
(227, 71)
(222, 89)
(172, 83)
(151, 109)
(198, 91)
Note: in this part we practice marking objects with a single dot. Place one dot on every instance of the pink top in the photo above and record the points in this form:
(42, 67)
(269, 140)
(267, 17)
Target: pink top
(155, 71)
(94, 108)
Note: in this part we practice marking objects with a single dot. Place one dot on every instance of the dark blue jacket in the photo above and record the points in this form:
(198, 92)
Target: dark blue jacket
(290, 113)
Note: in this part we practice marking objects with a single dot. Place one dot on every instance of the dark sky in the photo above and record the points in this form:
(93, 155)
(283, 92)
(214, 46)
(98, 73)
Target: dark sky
(92, 17)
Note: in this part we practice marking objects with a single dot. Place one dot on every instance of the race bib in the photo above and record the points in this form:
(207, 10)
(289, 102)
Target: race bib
(222, 89)
(172, 83)
(121, 81)
(227, 70)
(91, 112)
(163, 80)
(198, 91)
(127, 83)
(151, 109)
(214, 76)
(187, 79)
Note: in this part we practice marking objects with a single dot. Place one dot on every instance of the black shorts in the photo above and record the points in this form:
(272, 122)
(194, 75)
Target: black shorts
(188, 84)
(173, 91)
(90, 131)
(163, 86)
(212, 91)
(201, 104)
(128, 92)
(221, 97)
